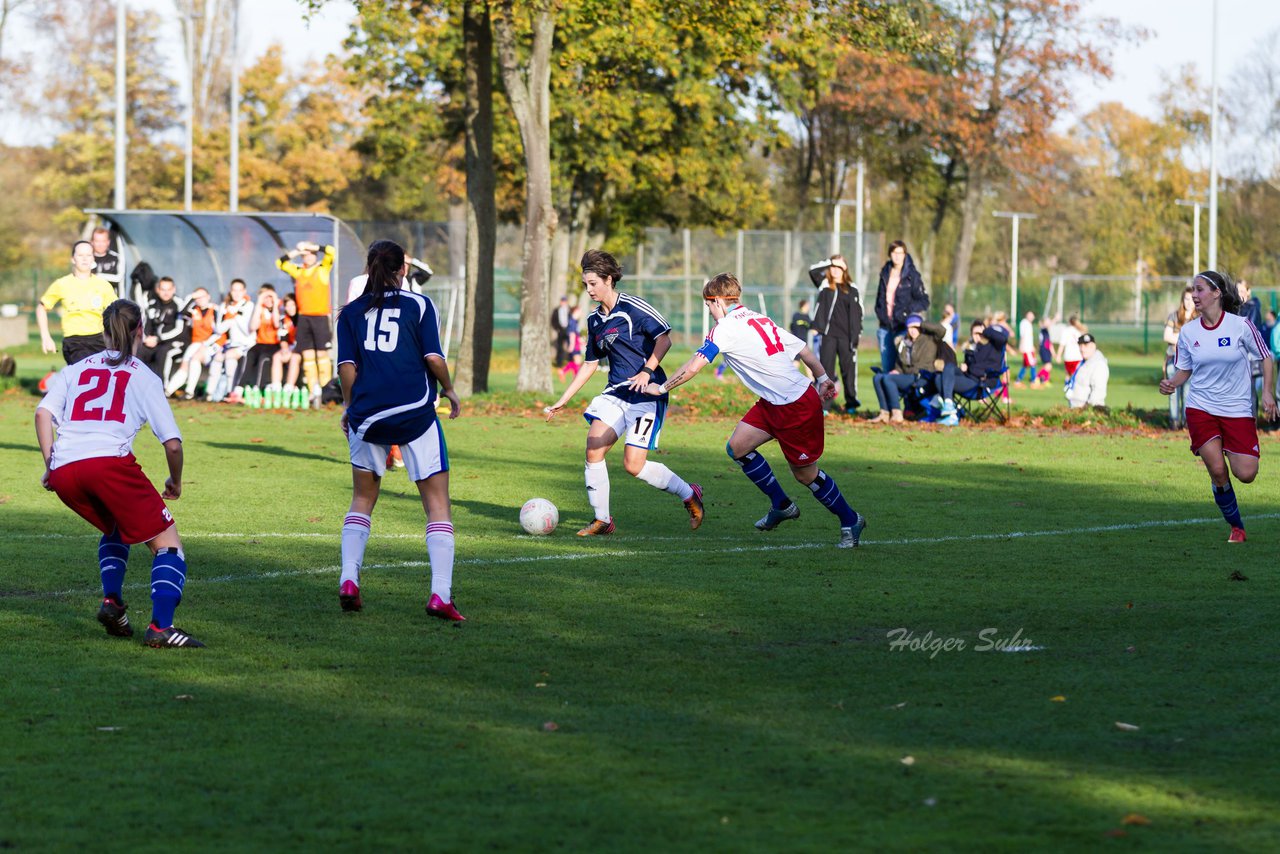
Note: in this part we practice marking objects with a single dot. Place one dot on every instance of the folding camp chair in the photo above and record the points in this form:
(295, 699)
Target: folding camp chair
(983, 402)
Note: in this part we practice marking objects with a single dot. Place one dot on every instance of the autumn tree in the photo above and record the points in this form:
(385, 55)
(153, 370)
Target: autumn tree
(78, 100)
(297, 134)
(1017, 61)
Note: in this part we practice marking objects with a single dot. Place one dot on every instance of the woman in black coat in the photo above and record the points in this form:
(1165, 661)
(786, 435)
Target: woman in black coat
(901, 294)
(837, 317)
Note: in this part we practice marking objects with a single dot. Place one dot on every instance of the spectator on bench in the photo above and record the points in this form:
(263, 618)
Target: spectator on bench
(164, 331)
(1088, 385)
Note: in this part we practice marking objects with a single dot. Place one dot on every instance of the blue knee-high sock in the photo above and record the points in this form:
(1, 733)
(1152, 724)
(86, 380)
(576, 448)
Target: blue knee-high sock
(825, 490)
(113, 554)
(1225, 497)
(757, 470)
(168, 575)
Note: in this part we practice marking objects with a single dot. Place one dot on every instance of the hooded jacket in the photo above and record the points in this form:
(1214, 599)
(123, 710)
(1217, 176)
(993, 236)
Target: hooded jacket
(929, 347)
(910, 298)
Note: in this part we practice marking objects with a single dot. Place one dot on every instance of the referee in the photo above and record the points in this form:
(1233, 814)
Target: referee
(84, 296)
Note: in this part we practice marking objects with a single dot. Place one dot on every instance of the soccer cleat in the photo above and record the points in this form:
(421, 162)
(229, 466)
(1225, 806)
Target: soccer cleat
(694, 506)
(1237, 536)
(597, 528)
(349, 596)
(437, 607)
(172, 636)
(776, 517)
(849, 536)
(113, 618)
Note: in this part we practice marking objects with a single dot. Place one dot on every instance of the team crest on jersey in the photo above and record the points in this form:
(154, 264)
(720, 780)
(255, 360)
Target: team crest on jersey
(607, 338)
(1224, 342)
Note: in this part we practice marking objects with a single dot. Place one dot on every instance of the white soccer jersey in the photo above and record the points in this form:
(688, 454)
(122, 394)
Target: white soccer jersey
(98, 409)
(760, 352)
(1221, 377)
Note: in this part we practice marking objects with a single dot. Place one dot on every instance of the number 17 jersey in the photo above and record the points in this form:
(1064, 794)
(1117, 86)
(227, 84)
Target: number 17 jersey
(98, 408)
(760, 353)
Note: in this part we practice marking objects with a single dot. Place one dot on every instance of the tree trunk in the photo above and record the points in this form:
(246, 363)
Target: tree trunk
(528, 89)
(970, 210)
(941, 203)
(472, 375)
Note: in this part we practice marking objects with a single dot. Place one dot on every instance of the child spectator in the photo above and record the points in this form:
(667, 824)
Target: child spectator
(286, 358)
(265, 326)
(235, 339)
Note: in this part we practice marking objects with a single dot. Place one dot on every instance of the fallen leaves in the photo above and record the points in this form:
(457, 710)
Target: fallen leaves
(1058, 699)
(1237, 575)
(550, 726)
(1124, 727)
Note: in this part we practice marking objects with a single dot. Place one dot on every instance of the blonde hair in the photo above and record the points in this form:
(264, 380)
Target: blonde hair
(722, 286)
(120, 321)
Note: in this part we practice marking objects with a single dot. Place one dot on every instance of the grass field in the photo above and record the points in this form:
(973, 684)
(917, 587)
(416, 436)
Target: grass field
(658, 689)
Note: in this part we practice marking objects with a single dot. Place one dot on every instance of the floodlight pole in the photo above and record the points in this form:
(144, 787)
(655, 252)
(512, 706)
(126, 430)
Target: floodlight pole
(1194, 204)
(1013, 263)
(1213, 151)
(191, 110)
(858, 221)
(233, 190)
(835, 219)
(118, 199)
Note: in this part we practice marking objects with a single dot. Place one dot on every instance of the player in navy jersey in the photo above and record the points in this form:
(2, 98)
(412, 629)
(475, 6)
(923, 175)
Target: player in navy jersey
(634, 337)
(789, 409)
(390, 365)
(1215, 352)
(98, 405)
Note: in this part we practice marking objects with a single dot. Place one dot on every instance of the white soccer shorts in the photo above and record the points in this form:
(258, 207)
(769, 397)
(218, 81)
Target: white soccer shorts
(640, 422)
(423, 457)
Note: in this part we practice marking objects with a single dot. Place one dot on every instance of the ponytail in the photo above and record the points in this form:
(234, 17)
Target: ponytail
(383, 265)
(120, 322)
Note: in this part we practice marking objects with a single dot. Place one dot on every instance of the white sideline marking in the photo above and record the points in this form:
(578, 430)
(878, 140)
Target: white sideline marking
(331, 570)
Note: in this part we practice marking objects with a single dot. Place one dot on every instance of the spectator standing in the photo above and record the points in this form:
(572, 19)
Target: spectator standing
(164, 332)
(838, 319)
(801, 323)
(1214, 355)
(951, 322)
(1027, 343)
(84, 296)
(1069, 344)
(106, 262)
(900, 294)
(1088, 385)
(1046, 349)
(315, 330)
(1184, 314)
(560, 323)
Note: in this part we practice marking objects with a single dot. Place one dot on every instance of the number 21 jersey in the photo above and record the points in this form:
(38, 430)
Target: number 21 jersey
(760, 353)
(98, 408)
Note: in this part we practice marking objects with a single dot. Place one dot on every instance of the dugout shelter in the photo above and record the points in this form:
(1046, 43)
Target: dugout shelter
(210, 248)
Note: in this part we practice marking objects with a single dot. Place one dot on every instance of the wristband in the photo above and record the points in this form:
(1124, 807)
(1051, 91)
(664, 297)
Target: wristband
(820, 380)
(647, 370)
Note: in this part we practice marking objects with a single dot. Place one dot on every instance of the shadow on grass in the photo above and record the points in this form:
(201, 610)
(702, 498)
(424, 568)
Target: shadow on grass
(274, 450)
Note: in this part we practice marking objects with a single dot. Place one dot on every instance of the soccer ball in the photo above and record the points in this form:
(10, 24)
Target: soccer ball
(539, 516)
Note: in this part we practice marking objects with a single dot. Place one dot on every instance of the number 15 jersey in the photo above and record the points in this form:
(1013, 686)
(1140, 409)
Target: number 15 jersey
(98, 408)
(393, 400)
(760, 353)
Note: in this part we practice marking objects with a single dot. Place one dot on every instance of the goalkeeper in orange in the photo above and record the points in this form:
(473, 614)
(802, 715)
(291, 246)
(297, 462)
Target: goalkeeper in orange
(314, 323)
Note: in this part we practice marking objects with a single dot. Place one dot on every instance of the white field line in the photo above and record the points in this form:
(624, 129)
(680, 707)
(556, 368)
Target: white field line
(527, 559)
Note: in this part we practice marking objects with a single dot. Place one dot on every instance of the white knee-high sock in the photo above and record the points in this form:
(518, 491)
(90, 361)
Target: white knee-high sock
(355, 534)
(440, 553)
(193, 378)
(176, 381)
(597, 477)
(660, 477)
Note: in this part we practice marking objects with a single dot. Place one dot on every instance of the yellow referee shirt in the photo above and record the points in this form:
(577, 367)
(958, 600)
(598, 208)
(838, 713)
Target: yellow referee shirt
(83, 301)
